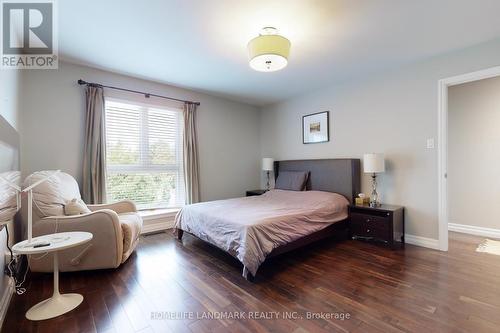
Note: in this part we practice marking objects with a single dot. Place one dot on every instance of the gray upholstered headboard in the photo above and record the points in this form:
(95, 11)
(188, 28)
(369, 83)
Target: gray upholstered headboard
(330, 175)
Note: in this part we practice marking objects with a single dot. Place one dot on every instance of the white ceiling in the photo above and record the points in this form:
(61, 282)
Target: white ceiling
(201, 44)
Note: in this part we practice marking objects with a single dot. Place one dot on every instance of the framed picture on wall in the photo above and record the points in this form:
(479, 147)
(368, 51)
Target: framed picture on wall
(316, 127)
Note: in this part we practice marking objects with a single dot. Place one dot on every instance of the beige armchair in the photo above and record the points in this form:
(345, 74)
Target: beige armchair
(116, 227)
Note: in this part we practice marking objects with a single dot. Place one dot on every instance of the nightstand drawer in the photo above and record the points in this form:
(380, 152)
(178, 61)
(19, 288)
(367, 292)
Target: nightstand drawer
(369, 226)
(359, 218)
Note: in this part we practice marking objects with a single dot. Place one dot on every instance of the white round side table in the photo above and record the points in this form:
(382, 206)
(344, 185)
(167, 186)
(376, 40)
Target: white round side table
(58, 304)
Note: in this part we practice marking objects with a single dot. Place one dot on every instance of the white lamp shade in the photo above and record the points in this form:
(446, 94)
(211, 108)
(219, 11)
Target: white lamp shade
(267, 164)
(373, 163)
(268, 52)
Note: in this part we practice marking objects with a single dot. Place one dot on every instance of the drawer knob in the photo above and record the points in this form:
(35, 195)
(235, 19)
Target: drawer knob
(367, 220)
(367, 230)
(388, 214)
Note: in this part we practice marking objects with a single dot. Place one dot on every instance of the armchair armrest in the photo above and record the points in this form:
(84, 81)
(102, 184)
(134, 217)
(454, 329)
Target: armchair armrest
(120, 207)
(107, 244)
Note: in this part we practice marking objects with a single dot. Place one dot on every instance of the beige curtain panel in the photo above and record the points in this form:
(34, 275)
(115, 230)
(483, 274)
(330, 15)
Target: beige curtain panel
(191, 166)
(94, 158)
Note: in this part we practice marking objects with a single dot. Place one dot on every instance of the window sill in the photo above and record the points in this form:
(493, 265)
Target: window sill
(153, 214)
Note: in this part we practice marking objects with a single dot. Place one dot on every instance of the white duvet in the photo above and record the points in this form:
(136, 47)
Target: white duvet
(250, 228)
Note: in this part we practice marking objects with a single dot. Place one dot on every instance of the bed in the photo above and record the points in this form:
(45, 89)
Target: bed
(9, 171)
(255, 228)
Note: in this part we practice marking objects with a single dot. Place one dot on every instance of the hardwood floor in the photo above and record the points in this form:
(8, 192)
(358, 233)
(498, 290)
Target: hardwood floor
(410, 290)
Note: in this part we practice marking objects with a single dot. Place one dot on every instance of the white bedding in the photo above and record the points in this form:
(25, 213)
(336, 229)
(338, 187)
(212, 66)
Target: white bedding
(250, 228)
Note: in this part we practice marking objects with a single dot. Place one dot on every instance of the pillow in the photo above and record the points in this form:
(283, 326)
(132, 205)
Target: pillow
(76, 207)
(292, 180)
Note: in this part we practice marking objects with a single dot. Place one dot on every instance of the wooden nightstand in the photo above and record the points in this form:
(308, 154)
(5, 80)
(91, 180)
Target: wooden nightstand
(384, 223)
(255, 192)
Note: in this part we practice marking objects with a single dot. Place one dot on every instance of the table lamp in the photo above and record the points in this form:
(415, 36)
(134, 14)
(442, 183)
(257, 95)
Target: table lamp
(374, 163)
(29, 189)
(268, 166)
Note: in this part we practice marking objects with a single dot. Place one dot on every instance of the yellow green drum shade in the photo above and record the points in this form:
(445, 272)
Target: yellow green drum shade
(268, 53)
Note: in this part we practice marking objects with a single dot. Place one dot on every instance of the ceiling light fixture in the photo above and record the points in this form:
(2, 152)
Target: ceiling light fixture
(269, 51)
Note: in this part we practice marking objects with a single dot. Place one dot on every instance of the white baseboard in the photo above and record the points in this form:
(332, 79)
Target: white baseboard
(148, 228)
(5, 301)
(430, 243)
(157, 222)
(162, 223)
(473, 230)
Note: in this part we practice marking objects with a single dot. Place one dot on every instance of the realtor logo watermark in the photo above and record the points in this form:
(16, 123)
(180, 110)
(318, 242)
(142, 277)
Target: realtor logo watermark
(29, 34)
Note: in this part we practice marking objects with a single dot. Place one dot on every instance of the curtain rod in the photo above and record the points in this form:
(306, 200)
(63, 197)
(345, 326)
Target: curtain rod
(147, 95)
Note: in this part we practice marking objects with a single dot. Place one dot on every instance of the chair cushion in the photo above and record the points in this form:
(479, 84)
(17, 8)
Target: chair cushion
(131, 224)
(51, 195)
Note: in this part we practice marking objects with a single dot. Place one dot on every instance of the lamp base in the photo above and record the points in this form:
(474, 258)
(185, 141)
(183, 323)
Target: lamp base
(268, 185)
(374, 195)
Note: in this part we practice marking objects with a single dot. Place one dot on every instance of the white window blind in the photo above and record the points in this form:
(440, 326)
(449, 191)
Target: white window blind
(144, 155)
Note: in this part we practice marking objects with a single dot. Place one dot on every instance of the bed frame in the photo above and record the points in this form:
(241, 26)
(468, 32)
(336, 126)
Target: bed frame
(331, 175)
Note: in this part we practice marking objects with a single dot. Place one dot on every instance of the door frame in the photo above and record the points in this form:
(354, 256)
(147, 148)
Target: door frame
(443, 86)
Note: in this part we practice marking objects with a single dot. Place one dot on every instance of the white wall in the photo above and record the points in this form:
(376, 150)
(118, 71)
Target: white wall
(393, 113)
(9, 110)
(474, 153)
(9, 102)
(53, 128)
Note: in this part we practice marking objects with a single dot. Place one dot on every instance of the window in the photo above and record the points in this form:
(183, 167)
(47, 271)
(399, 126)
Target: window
(144, 154)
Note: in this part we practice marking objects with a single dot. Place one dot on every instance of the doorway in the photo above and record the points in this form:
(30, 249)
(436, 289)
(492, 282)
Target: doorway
(443, 118)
